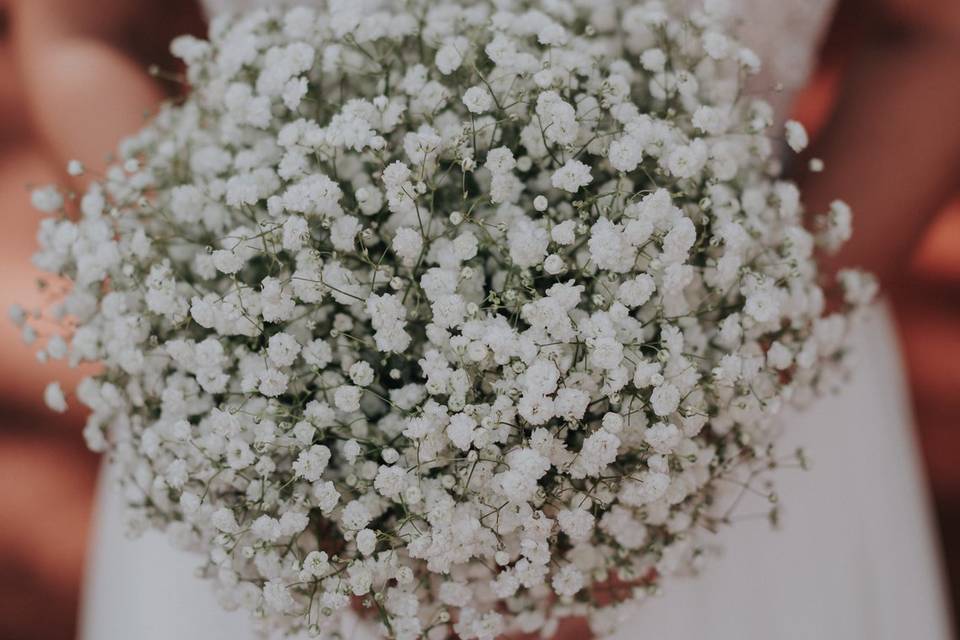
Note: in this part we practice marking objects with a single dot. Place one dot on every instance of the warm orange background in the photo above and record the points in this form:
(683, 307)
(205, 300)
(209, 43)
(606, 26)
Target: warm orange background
(47, 477)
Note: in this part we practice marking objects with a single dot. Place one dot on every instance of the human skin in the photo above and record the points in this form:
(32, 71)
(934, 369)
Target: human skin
(74, 84)
(891, 148)
(83, 66)
(892, 145)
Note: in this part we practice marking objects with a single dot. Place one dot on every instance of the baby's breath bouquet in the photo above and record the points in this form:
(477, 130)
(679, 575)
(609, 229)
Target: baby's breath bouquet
(462, 313)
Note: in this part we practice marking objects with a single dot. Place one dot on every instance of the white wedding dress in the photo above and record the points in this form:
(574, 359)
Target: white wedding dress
(855, 558)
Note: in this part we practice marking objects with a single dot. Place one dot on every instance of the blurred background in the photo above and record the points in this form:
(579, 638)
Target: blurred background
(48, 477)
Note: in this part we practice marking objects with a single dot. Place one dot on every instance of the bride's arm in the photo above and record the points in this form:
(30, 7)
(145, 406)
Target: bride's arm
(84, 91)
(83, 66)
(892, 148)
(82, 80)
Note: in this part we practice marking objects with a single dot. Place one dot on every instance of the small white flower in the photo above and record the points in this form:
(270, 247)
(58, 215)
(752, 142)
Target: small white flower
(796, 136)
(779, 356)
(46, 199)
(460, 431)
(564, 233)
(554, 264)
(625, 154)
(500, 160)
(576, 523)
(477, 99)
(326, 496)
(273, 383)
(315, 565)
(653, 60)
(266, 528)
(390, 481)
(17, 314)
(227, 262)
(295, 233)
(224, 520)
(710, 120)
(686, 161)
(636, 292)
(311, 463)
(366, 541)
(717, 45)
(277, 596)
(572, 176)
(450, 55)
(355, 516)
(347, 398)
(568, 581)
(407, 244)
(361, 373)
(662, 437)
(53, 397)
(762, 305)
(283, 349)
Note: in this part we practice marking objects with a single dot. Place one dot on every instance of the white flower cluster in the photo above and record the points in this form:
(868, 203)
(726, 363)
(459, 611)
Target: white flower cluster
(466, 311)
